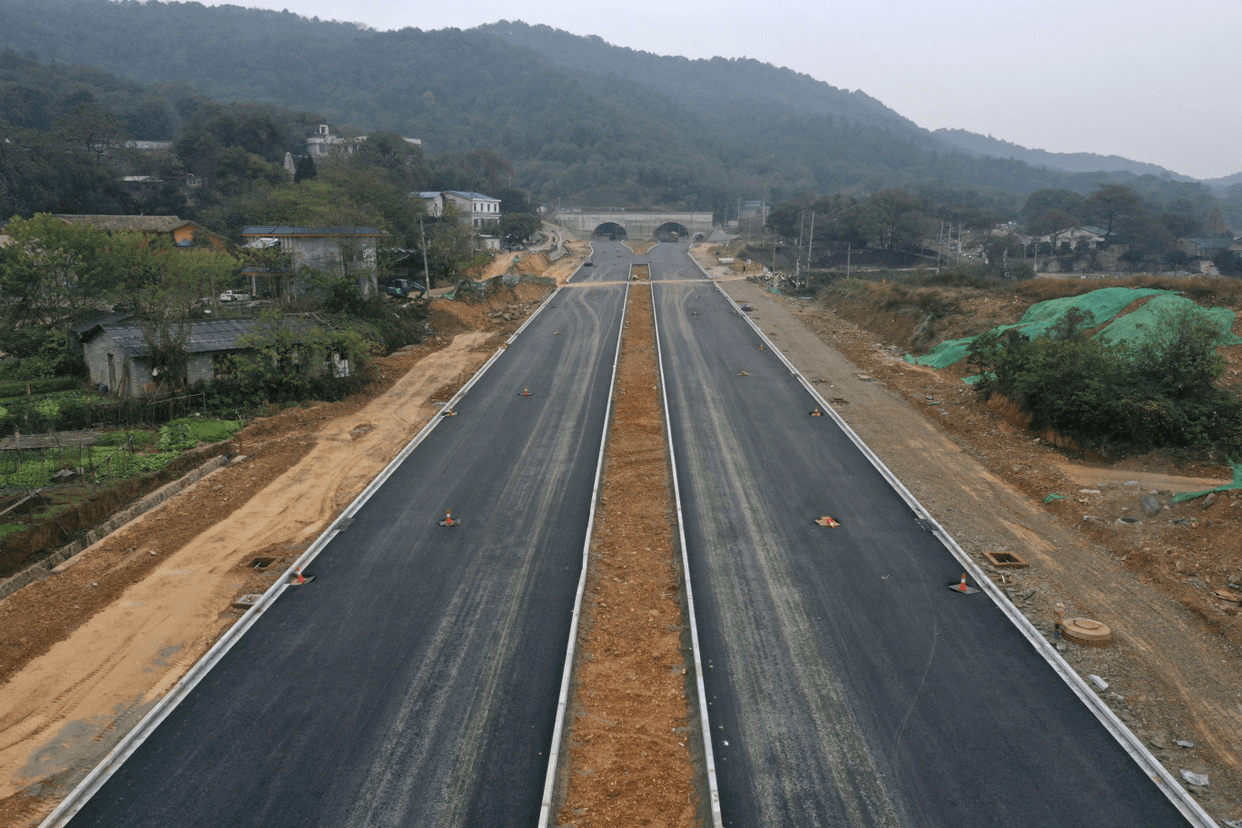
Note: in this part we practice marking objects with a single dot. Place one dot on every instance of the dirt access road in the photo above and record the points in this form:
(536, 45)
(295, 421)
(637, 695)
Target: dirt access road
(83, 653)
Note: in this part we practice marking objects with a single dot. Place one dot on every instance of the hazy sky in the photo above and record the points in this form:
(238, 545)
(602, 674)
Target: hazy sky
(1152, 81)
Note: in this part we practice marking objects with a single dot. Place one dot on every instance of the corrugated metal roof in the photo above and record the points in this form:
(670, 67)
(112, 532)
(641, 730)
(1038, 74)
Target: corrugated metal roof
(291, 230)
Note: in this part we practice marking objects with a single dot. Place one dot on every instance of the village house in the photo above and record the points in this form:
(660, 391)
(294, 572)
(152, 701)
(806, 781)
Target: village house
(183, 233)
(479, 212)
(346, 252)
(119, 359)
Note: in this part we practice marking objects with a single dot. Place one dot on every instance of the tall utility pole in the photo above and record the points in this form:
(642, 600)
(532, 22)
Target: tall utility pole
(809, 245)
(798, 249)
(426, 267)
(939, 247)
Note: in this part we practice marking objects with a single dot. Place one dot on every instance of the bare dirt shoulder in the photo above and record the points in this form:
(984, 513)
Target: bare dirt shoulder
(1173, 665)
(86, 652)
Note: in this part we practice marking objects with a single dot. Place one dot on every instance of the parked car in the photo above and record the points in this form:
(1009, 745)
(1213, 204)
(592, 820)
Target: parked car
(405, 287)
(235, 296)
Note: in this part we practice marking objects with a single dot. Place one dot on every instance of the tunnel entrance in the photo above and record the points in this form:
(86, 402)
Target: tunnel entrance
(610, 230)
(672, 231)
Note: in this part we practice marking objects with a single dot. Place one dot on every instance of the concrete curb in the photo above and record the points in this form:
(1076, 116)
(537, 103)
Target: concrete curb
(44, 568)
(562, 702)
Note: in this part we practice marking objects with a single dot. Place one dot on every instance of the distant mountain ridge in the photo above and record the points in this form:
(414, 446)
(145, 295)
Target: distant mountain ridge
(579, 118)
(1075, 162)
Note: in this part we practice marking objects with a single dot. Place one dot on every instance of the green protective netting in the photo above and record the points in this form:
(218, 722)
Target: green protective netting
(1103, 305)
(1139, 324)
(1236, 484)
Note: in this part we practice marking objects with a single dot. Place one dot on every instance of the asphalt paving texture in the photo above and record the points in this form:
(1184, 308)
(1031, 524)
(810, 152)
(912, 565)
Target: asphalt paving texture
(846, 683)
(414, 682)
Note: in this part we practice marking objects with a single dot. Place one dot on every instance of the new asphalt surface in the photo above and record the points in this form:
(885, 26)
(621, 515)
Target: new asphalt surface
(415, 681)
(847, 684)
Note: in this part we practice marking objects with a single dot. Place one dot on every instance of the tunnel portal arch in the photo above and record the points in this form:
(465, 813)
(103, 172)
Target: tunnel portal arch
(610, 230)
(672, 231)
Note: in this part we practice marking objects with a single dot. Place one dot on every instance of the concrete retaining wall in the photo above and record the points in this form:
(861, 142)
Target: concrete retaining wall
(40, 570)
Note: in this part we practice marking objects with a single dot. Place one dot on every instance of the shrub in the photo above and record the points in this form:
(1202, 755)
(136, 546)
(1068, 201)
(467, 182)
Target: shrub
(1159, 393)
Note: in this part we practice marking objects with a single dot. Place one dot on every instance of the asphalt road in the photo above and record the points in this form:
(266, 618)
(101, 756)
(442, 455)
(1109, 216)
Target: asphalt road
(415, 681)
(847, 685)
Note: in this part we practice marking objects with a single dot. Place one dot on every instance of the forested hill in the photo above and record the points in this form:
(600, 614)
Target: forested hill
(1084, 162)
(580, 120)
(696, 84)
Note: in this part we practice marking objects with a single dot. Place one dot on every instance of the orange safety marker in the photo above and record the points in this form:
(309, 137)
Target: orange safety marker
(761, 347)
(525, 392)
(298, 579)
(448, 412)
(817, 412)
(962, 587)
(448, 519)
(831, 523)
(743, 374)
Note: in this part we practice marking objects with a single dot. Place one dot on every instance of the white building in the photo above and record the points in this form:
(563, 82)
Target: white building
(324, 143)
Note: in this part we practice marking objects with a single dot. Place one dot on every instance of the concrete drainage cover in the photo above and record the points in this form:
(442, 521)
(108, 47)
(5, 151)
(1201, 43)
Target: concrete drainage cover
(1086, 631)
(1007, 559)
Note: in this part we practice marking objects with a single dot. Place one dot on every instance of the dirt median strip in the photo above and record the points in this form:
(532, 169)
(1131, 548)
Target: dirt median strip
(629, 747)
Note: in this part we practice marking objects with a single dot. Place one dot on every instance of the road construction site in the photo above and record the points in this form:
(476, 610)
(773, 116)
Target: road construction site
(840, 675)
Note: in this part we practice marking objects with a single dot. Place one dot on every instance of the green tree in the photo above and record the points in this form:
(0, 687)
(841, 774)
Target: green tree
(304, 170)
(1041, 201)
(1052, 223)
(517, 228)
(1114, 208)
(54, 273)
(162, 285)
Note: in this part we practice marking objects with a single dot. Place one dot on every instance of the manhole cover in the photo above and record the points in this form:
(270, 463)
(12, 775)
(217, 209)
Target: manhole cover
(1086, 631)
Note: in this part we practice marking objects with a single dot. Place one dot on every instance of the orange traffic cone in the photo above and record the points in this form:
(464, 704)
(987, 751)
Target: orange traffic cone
(525, 392)
(962, 587)
(817, 412)
(300, 579)
(448, 519)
